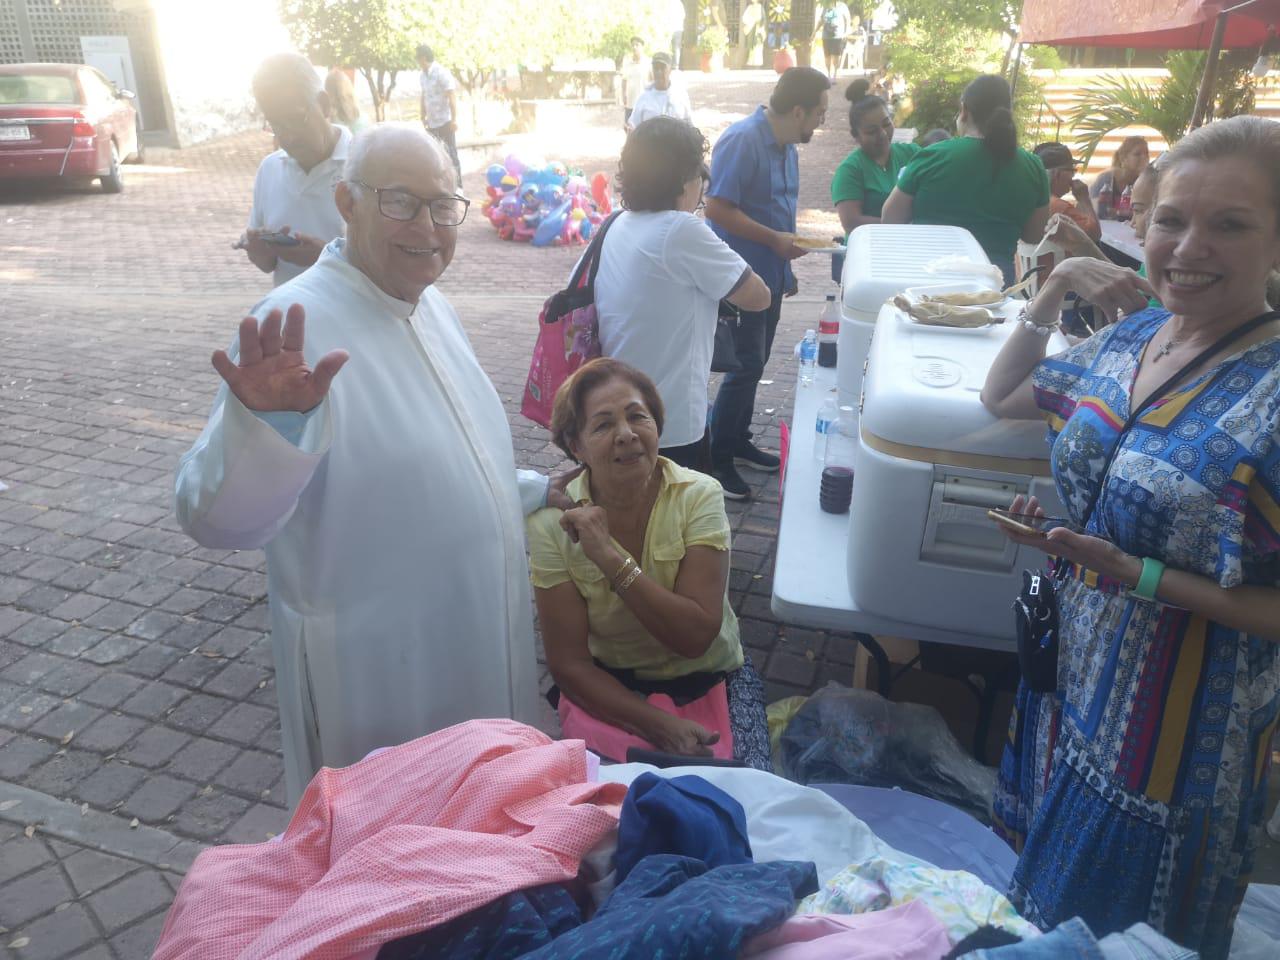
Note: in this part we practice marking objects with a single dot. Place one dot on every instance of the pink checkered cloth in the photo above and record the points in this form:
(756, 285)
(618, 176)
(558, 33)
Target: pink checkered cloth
(397, 843)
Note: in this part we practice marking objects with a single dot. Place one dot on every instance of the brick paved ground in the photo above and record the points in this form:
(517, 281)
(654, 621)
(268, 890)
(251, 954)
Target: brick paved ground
(135, 673)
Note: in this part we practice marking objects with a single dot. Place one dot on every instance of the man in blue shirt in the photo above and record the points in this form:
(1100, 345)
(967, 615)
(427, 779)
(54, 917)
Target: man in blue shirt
(751, 205)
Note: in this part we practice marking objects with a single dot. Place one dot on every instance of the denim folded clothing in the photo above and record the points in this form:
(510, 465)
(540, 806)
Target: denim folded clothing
(509, 927)
(675, 907)
(1073, 938)
(685, 816)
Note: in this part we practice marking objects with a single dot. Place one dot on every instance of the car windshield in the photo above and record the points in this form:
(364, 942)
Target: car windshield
(37, 89)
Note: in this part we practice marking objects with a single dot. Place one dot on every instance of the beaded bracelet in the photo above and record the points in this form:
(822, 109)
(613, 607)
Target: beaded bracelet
(1040, 329)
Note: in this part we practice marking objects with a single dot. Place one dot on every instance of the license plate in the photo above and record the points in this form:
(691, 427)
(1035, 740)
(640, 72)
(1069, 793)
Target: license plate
(15, 131)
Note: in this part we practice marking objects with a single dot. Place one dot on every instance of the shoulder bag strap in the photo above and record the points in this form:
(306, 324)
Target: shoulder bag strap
(597, 249)
(1225, 340)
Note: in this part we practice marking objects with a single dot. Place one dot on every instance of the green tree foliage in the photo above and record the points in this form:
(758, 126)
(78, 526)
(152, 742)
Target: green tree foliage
(1119, 100)
(937, 64)
(995, 16)
(377, 37)
(940, 45)
(935, 101)
(619, 21)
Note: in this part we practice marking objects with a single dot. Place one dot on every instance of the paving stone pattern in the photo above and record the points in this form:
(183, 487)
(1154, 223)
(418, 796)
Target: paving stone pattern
(60, 898)
(135, 670)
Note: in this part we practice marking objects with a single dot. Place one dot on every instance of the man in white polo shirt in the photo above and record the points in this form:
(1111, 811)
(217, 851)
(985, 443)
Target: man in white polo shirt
(293, 190)
(662, 98)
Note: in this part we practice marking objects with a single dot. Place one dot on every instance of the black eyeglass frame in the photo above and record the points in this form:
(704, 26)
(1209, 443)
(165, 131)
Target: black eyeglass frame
(419, 204)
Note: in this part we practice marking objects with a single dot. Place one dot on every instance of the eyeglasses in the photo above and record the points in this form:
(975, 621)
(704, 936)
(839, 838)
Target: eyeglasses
(704, 178)
(396, 204)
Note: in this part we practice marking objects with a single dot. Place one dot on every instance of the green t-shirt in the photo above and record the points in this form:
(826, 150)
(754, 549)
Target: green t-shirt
(860, 178)
(1142, 272)
(955, 182)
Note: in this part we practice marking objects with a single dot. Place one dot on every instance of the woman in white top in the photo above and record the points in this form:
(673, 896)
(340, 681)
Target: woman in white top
(662, 276)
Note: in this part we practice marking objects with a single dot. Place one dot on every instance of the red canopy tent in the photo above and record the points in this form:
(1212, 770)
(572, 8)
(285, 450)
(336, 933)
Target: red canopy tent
(1148, 24)
(1154, 24)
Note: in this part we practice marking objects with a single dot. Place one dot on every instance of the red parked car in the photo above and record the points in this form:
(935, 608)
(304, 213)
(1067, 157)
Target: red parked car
(65, 120)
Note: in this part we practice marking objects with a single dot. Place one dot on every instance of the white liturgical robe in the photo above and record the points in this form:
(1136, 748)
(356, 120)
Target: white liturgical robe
(393, 527)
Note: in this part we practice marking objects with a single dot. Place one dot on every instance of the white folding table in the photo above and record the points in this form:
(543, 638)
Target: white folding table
(1118, 237)
(811, 572)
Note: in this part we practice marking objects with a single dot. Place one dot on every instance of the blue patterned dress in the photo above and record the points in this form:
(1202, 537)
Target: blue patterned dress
(1136, 791)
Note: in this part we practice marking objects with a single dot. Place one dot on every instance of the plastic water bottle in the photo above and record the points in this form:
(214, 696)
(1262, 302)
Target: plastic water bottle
(827, 414)
(828, 332)
(808, 357)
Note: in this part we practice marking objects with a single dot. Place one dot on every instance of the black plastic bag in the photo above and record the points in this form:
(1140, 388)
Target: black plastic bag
(843, 735)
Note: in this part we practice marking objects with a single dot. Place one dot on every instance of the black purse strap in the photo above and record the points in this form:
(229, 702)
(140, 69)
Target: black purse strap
(579, 293)
(1228, 338)
(590, 262)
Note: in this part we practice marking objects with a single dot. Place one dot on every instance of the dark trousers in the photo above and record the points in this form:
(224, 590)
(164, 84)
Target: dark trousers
(731, 413)
(446, 136)
(691, 456)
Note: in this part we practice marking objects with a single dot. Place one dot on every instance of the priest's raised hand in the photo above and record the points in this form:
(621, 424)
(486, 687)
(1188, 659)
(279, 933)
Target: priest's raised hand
(270, 372)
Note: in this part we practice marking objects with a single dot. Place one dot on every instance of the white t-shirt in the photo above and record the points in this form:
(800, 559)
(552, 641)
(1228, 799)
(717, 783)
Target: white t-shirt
(672, 102)
(637, 76)
(436, 83)
(662, 276)
(286, 196)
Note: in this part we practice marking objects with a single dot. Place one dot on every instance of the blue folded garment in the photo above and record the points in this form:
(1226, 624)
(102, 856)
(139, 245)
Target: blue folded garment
(675, 907)
(686, 816)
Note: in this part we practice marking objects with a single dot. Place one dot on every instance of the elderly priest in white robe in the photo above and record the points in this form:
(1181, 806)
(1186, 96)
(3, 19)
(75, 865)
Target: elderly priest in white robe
(371, 457)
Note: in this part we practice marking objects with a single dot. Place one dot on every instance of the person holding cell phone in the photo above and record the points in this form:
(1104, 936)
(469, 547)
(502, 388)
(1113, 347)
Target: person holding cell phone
(1136, 790)
(294, 214)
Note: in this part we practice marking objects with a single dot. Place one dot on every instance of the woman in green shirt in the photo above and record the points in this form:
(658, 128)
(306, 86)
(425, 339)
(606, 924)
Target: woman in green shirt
(865, 178)
(981, 180)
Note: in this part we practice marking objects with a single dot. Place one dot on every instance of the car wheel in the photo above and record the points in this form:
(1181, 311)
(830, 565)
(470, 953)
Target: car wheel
(113, 182)
(141, 155)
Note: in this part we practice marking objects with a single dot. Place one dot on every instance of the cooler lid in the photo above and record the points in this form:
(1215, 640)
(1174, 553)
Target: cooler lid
(885, 258)
(922, 387)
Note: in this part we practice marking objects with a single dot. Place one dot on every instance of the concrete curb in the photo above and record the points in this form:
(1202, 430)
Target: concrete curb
(100, 831)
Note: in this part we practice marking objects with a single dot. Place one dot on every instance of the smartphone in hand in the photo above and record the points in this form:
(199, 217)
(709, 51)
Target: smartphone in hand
(275, 239)
(1025, 523)
(279, 239)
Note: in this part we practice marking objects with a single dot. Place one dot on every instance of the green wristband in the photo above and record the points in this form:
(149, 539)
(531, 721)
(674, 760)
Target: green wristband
(1149, 581)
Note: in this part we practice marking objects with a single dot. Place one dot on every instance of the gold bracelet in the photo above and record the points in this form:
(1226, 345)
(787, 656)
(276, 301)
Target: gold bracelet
(626, 565)
(621, 588)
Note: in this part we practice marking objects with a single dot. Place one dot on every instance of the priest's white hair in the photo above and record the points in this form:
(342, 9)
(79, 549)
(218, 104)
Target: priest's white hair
(384, 137)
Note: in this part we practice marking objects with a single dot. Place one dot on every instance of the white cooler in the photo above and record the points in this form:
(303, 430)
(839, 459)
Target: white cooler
(931, 461)
(883, 259)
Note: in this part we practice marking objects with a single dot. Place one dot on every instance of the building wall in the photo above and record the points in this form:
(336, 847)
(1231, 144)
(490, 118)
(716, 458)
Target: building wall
(210, 51)
(193, 60)
(49, 31)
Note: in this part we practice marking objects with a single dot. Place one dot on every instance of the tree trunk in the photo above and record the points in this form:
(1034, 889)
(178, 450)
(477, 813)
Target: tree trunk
(689, 38)
(1008, 53)
(802, 24)
(378, 112)
(1204, 97)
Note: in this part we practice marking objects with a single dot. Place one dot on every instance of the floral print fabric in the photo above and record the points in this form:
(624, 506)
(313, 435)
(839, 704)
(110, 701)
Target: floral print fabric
(1136, 791)
(960, 901)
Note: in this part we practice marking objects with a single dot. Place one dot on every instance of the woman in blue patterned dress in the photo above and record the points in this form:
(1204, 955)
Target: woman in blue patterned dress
(1136, 790)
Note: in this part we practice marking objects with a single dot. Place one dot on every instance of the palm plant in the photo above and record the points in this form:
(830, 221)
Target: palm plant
(1120, 101)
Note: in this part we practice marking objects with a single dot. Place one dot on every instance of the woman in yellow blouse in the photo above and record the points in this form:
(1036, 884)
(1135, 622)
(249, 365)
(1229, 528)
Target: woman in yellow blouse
(632, 586)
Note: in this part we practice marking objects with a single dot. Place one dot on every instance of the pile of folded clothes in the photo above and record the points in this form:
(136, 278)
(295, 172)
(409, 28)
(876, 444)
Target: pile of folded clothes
(488, 840)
